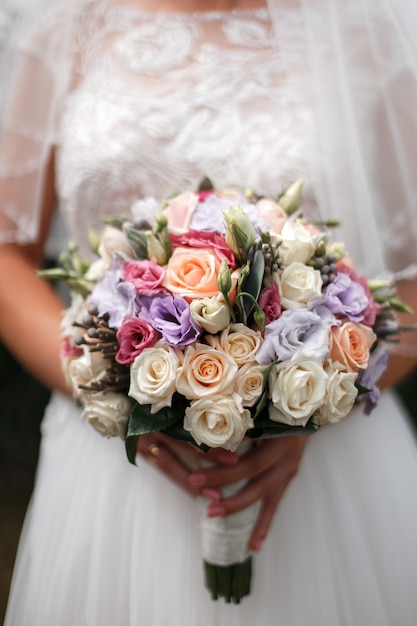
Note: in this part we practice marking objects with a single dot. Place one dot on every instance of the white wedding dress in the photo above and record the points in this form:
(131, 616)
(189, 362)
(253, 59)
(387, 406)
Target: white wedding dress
(165, 100)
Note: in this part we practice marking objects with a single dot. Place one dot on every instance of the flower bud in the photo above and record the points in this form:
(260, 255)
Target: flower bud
(290, 198)
(240, 235)
(224, 278)
(155, 249)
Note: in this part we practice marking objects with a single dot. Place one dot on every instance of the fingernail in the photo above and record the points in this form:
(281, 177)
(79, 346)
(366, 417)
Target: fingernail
(197, 480)
(215, 511)
(211, 494)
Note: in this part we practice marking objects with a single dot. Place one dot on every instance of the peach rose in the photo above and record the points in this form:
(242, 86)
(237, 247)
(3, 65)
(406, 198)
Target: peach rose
(350, 345)
(272, 214)
(192, 273)
(205, 371)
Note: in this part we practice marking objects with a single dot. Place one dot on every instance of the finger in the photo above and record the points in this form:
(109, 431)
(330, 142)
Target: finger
(272, 481)
(253, 463)
(266, 515)
(156, 452)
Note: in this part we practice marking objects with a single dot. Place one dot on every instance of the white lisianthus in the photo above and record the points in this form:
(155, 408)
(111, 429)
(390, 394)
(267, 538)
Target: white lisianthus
(249, 383)
(152, 376)
(218, 421)
(297, 244)
(205, 371)
(340, 395)
(112, 240)
(211, 314)
(108, 413)
(299, 284)
(240, 235)
(239, 341)
(297, 390)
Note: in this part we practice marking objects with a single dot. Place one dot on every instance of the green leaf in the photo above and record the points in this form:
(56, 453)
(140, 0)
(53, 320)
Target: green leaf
(205, 184)
(138, 241)
(252, 282)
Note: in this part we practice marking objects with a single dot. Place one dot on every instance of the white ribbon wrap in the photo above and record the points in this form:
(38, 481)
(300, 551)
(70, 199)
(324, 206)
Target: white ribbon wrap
(224, 540)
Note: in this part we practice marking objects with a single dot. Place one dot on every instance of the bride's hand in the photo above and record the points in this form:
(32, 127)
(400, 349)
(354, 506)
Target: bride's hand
(269, 467)
(178, 460)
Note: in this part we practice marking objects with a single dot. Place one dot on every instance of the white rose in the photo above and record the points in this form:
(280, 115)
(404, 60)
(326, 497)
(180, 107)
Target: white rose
(108, 413)
(83, 371)
(340, 395)
(205, 372)
(152, 376)
(297, 244)
(239, 341)
(299, 284)
(297, 390)
(212, 314)
(218, 421)
(249, 383)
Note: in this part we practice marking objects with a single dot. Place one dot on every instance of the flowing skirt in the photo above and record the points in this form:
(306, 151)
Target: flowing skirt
(106, 543)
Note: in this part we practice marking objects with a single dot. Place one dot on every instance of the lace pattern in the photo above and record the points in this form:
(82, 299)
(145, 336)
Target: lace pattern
(165, 99)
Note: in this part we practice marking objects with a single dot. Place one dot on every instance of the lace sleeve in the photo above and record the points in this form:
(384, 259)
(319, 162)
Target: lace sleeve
(38, 69)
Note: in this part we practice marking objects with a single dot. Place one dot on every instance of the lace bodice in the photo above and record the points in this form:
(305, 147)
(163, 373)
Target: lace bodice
(165, 99)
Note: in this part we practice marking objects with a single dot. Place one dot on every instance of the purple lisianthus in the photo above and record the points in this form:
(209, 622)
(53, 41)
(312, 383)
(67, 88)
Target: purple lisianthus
(298, 332)
(346, 297)
(377, 364)
(171, 317)
(208, 215)
(114, 297)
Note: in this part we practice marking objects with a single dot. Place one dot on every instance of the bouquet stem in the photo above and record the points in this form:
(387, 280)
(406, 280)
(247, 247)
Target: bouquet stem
(224, 540)
(231, 582)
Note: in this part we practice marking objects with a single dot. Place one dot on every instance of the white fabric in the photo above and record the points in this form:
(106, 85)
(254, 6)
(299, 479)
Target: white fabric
(164, 100)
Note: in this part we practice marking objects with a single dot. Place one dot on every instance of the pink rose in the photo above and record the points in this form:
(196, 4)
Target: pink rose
(179, 211)
(272, 214)
(270, 303)
(201, 239)
(373, 308)
(351, 344)
(147, 276)
(134, 335)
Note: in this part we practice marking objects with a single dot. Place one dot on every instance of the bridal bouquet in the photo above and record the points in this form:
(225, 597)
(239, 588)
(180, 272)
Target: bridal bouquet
(221, 317)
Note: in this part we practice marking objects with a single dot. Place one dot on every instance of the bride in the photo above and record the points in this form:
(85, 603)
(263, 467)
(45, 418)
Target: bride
(110, 100)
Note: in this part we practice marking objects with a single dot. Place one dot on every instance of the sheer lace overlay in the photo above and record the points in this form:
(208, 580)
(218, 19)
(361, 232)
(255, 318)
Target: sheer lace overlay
(165, 99)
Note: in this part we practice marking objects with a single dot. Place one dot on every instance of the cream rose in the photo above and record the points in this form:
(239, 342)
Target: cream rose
(108, 413)
(350, 345)
(211, 314)
(249, 383)
(218, 421)
(297, 390)
(205, 371)
(297, 244)
(152, 376)
(239, 341)
(340, 397)
(299, 284)
(84, 371)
